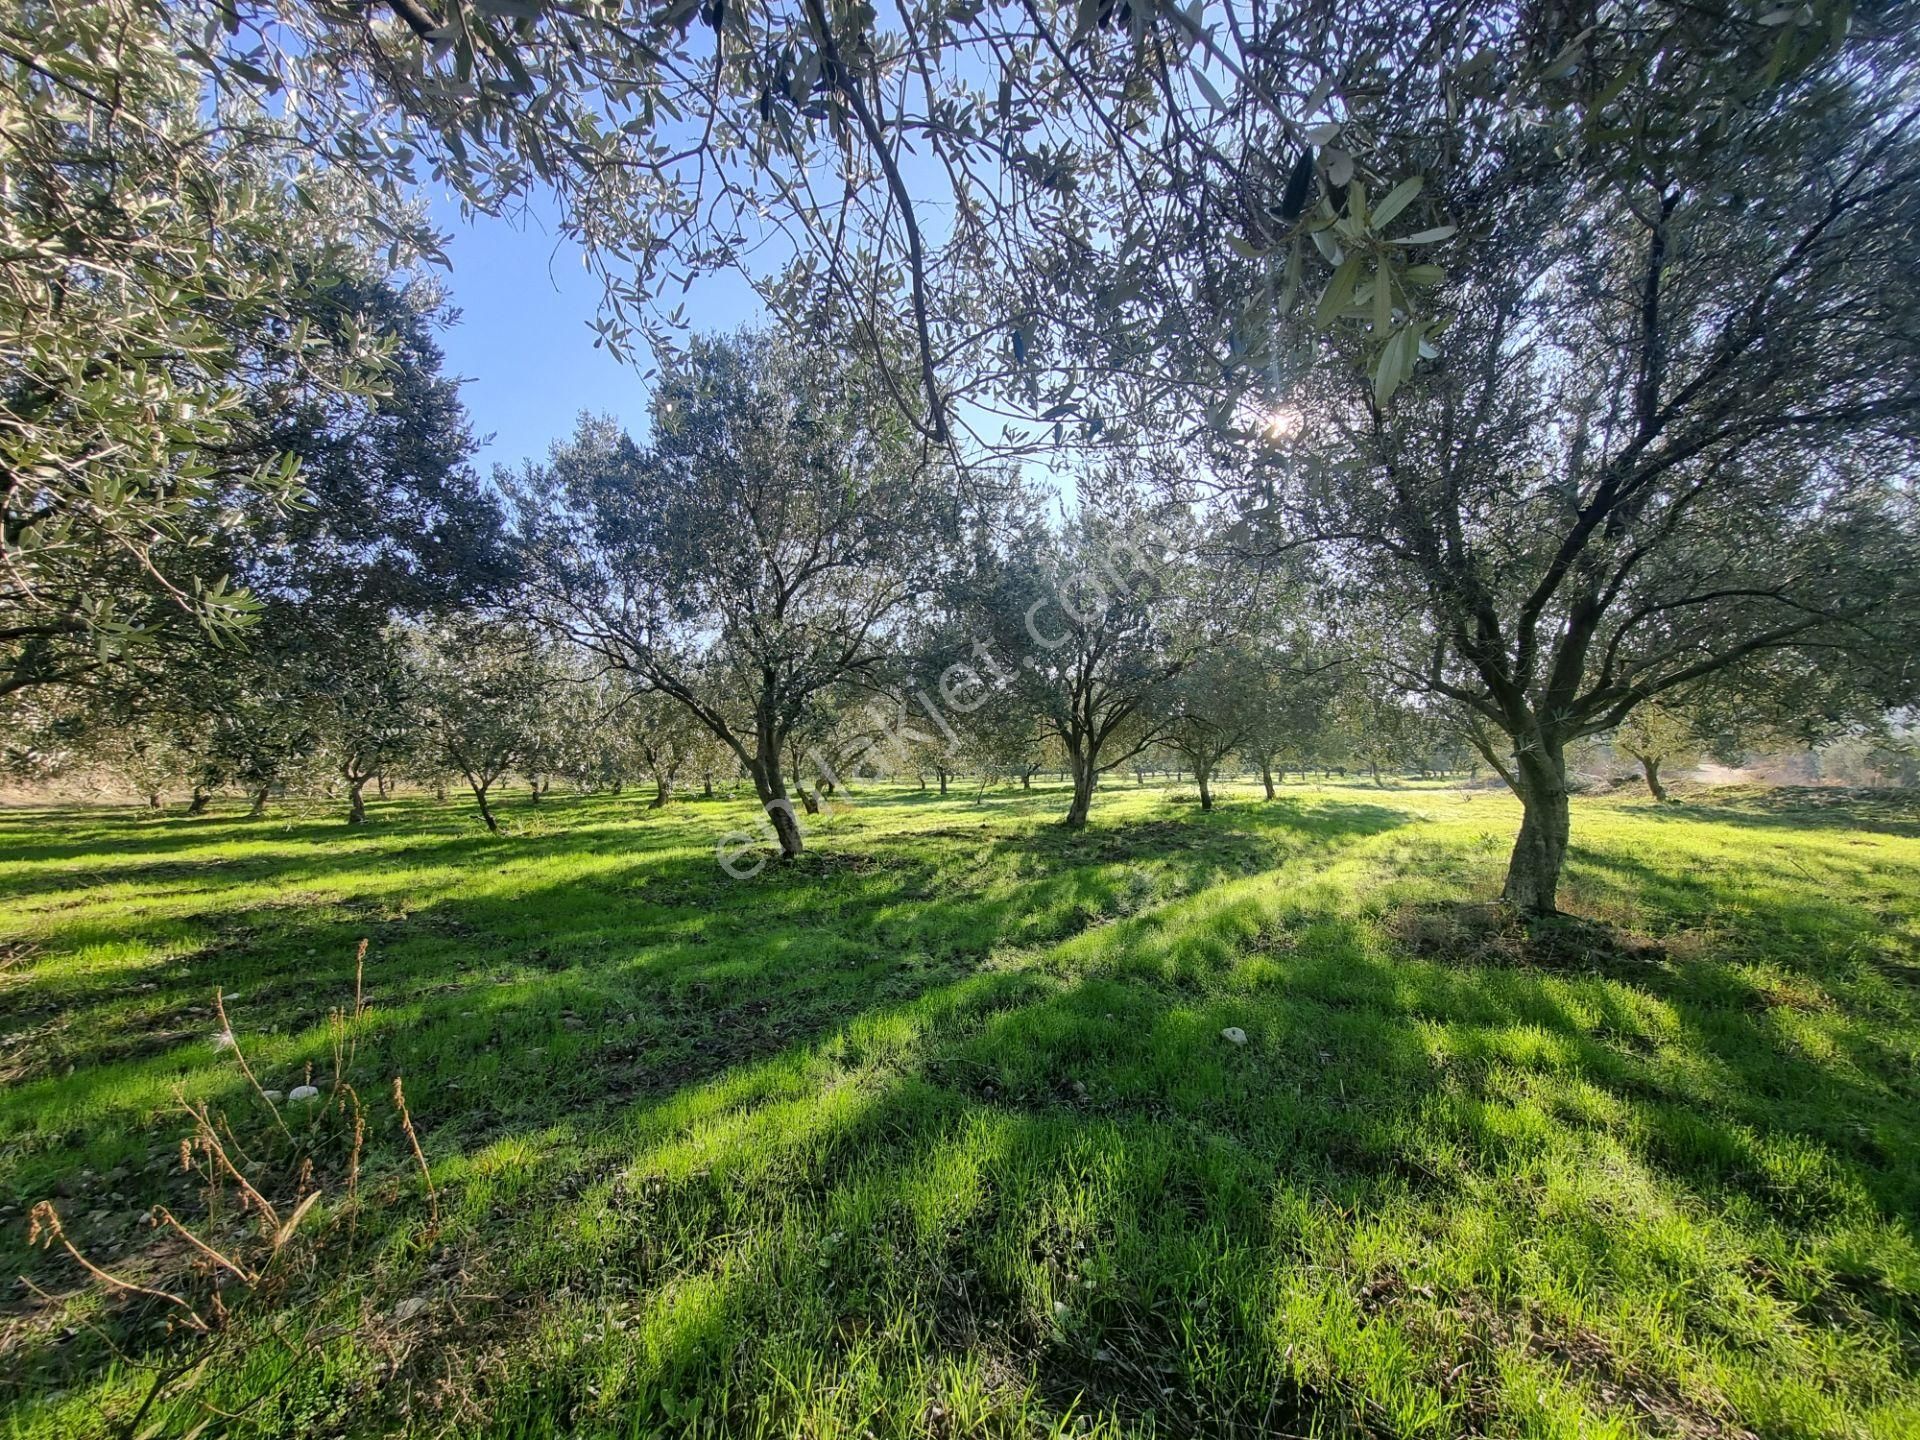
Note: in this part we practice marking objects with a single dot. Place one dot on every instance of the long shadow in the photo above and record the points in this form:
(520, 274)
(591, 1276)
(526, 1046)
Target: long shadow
(890, 1125)
(1081, 1182)
(137, 851)
(1860, 1109)
(1879, 812)
(1173, 1191)
(574, 996)
(92, 833)
(641, 979)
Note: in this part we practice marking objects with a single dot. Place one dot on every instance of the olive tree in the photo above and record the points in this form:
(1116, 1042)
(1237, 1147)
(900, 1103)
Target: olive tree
(1288, 716)
(665, 738)
(1655, 735)
(754, 554)
(163, 263)
(482, 687)
(1212, 710)
(253, 714)
(369, 712)
(1085, 628)
(1669, 430)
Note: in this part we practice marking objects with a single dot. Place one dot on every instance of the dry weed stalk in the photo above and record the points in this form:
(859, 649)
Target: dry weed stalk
(426, 1176)
(240, 1056)
(226, 1273)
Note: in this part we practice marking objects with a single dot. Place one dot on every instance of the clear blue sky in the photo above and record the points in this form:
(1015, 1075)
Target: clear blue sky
(523, 344)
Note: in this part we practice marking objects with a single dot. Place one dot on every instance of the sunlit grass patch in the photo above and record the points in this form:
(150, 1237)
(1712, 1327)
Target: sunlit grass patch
(940, 1134)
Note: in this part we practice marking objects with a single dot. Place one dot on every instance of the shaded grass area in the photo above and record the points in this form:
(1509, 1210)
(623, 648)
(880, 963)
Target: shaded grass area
(936, 1133)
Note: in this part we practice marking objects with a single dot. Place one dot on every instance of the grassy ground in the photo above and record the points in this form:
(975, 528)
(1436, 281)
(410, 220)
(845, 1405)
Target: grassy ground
(936, 1133)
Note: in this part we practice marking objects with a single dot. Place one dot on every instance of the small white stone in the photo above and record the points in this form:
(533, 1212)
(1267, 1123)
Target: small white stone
(1234, 1035)
(1059, 1309)
(274, 1096)
(304, 1092)
(408, 1308)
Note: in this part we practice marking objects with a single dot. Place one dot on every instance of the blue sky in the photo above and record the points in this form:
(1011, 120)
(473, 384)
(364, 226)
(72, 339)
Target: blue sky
(523, 346)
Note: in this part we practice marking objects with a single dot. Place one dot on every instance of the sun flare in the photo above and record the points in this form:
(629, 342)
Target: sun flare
(1280, 422)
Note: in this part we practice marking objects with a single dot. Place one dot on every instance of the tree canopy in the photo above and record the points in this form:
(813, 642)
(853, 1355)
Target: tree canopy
(754, 554)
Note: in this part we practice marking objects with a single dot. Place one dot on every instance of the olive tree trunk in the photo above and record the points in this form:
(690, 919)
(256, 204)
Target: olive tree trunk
(1084, 776)
(1540, 850)
(1650, 768)
(771, 789)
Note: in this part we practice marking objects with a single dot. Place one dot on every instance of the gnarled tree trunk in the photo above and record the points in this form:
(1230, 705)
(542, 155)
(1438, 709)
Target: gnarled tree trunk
(486, 811)
(1533, 872)
(356, 802)
(809, 795)
(1203, 773)
(772, 791)
(1266, 777)
(1650, 768)
(1084, 775)
(198, 804)
(259, 806)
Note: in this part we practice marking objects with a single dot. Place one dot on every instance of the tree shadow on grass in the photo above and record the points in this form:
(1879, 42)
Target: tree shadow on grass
(1059, 1189)
(1373, 1081)
(1879, 812)
(511, 1003)
(506, 1010)
(96, 832)
(958, 1174)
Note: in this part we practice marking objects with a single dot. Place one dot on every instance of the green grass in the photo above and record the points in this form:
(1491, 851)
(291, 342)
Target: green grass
(935, 1133)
